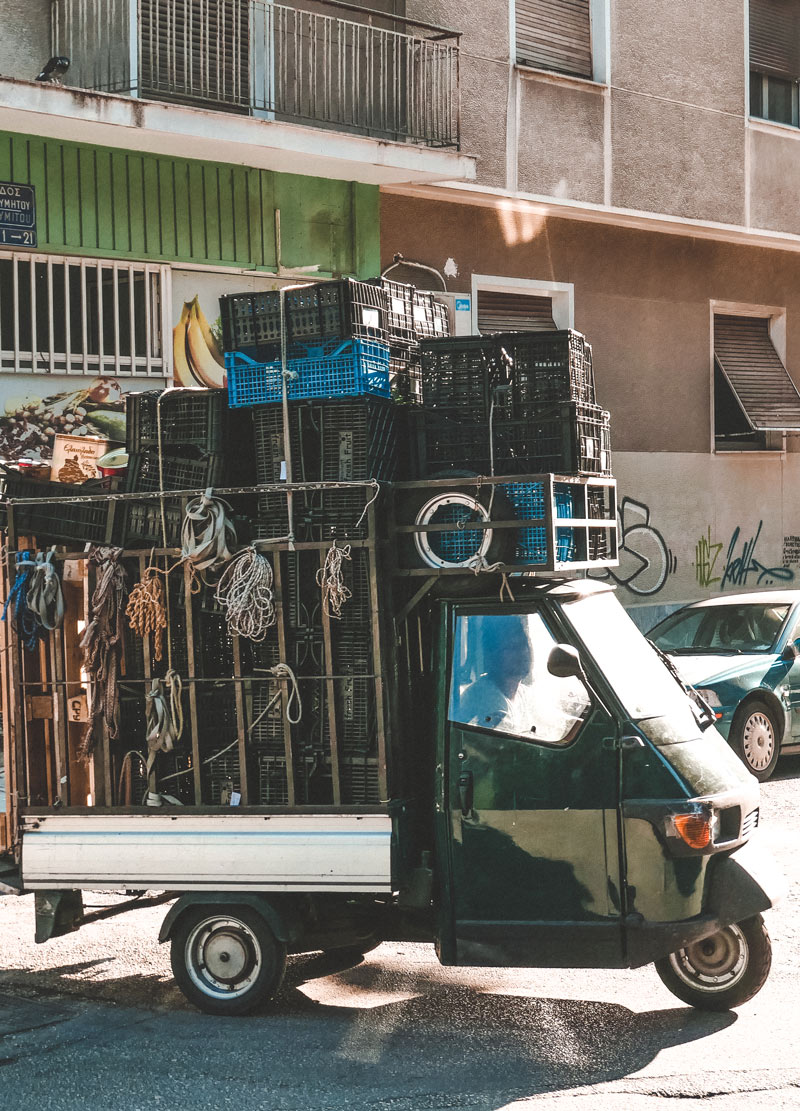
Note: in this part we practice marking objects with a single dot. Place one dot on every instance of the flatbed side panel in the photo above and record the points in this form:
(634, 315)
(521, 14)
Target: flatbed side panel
(184, 852)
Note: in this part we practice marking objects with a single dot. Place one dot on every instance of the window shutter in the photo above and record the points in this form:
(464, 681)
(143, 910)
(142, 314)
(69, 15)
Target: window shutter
(195, 51)
(762, 386)
(775, 37)
(514, 312)
(555, 34)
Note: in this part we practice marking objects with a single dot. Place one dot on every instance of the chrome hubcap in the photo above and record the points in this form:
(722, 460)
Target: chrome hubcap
(714, 964)
(223, 957)
(758, 741)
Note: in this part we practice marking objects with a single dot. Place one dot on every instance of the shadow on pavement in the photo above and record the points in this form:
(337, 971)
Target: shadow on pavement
(412, 1036)
(788, 768)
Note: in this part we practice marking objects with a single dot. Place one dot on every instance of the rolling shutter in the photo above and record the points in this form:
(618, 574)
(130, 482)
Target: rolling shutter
(775, 37)
(514, 312)
(760, 382)
(555, 34)
(196, 51)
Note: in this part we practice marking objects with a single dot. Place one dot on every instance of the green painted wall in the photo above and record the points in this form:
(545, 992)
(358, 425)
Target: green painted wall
(116, 203)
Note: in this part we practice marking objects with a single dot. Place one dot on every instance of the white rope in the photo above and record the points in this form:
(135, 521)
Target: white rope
(245, 592)
(330, 580)
(377, 488)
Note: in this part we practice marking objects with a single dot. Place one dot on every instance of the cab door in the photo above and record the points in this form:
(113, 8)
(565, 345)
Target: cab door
(529, 801)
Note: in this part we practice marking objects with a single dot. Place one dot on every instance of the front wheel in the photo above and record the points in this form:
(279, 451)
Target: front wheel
(755, 738)
(721, 971)
(226, 961)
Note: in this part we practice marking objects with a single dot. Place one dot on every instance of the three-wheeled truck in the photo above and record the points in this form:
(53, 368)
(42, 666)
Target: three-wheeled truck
(548, 794)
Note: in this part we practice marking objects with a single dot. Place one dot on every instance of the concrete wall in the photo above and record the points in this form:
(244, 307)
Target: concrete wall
(25, 41)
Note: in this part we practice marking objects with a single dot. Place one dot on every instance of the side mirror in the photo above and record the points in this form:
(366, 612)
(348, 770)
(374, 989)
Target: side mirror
(790, 652)
(564, 662)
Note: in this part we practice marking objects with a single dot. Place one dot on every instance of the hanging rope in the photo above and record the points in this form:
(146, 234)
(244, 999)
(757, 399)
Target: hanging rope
(281, 671)
(102, 645)
(245, 593)
(331, 581)
(207, 534)
(145, 610)
(164, 716)
(45, 600)
(17, 601)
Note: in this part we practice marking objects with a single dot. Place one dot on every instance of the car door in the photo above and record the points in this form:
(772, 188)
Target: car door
(531, 804)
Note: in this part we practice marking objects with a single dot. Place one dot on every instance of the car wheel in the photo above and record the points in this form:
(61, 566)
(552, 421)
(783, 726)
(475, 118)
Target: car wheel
(755, 736)
(226, 961)
(721, 971)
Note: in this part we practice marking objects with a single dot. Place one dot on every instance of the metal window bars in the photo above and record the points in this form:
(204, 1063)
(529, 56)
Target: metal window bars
(61, 315)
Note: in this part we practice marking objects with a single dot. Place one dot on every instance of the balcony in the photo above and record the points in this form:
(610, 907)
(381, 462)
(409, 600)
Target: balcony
(329, 65)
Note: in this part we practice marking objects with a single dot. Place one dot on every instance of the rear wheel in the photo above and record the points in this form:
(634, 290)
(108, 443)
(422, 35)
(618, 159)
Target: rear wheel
(755, 737)
(226, 961)
(721, 971)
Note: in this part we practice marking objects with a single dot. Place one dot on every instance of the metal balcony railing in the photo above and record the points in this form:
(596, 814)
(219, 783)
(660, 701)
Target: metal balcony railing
(357, 74)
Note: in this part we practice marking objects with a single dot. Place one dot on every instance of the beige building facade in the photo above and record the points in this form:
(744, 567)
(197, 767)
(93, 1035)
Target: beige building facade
(654, 202)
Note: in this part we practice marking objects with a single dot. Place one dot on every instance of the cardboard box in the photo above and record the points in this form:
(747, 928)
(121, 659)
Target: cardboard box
(75, 457)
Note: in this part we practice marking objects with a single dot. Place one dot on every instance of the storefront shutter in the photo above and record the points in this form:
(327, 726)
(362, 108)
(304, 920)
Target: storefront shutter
(759, 380)
(775, 37)
(555, 34)
(513, 312)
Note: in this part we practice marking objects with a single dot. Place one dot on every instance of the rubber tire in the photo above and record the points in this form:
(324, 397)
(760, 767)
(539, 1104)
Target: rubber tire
(267, 981)
(501, 549)
(736, 736)
(758, 964)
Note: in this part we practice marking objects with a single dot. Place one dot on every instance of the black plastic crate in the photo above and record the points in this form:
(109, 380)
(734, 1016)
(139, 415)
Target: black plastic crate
(145, 473)
(431, 319)
(75, 523)
(405, 373)
(517, 371)
(189, 419)
(399, 311)
(343, 309)
(567, 438)
(359, 781)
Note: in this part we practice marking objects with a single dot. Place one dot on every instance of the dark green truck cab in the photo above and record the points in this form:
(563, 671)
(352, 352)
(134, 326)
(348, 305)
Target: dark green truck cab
(588, 813)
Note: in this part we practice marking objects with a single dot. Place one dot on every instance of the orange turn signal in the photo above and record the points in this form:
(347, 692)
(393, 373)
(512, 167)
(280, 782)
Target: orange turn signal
(694, 829)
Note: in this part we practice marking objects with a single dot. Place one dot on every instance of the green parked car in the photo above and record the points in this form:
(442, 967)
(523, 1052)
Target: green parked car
(742, 653)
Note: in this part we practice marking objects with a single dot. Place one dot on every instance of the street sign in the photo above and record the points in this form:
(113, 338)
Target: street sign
(17, 215)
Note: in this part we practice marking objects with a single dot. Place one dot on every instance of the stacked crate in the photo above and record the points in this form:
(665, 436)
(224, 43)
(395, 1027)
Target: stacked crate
(178, 440)
(412, 315)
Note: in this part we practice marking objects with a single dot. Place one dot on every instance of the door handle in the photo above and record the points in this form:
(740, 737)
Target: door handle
(465, 793)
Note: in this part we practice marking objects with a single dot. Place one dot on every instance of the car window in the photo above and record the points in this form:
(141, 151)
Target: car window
(500, 680)
(728, 627)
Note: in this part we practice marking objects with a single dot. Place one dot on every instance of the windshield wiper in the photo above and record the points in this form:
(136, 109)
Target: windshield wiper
(704, 714)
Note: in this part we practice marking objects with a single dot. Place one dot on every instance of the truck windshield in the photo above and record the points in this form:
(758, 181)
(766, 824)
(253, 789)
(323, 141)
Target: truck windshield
(642, 683)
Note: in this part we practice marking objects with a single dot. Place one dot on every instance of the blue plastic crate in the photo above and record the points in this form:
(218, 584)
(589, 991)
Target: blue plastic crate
(330, 369)
(527, 498)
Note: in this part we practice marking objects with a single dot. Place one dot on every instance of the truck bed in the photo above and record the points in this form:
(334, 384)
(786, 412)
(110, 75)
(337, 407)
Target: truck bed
(212, 852)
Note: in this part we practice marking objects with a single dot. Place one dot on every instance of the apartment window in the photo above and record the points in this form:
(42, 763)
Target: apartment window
(81, 316)
(775, 60)
(755, 400)
(555, 35)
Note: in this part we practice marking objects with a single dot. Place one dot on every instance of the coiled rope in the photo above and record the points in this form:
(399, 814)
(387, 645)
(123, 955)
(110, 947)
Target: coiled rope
(45, 599)
(145, 610)
(164, 716)
(331, 581)
(102, 645)
(17, 601)
(245, 593)
(207, 534)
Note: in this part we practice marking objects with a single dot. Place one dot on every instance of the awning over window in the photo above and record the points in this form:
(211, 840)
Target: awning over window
(760, 382)
(513, 312)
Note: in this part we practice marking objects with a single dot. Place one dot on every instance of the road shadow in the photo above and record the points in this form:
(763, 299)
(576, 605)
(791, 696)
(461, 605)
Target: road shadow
(788, 768)
(412, 1035)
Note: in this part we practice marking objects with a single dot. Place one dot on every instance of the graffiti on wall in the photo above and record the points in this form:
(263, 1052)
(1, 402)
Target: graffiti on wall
(645, 561)
(740, 566)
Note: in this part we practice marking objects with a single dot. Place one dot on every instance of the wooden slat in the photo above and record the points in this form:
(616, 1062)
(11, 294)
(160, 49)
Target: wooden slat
(555, 34)
(514, 312)
(330, 699)
(191, 672)
(755, 373)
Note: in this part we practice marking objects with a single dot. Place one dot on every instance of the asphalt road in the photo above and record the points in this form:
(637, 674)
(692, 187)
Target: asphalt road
(94, 1022)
